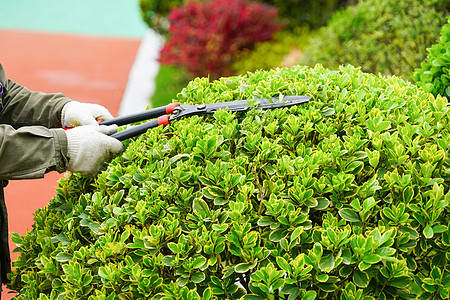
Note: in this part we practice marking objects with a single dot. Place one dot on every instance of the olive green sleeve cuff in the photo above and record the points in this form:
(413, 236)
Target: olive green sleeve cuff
(61, 157)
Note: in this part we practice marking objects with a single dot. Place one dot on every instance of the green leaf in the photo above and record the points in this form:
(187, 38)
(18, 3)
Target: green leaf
(87, 279)
(208, 294)
(349, 215)
(384, 252)
(173, 247)
(199, 262)
(364, 266)
(277, 235)
(322, 204)
(201, 206)
(322, 277)
(296, 233)
(428, 232)
(198, 277)
(326, 263)
(439, 228)
(283, 264)
(220, 228)
(182, 281)
(215, 282)
(265, 221)
(178, 157)
(382, 126)
(310, 295)
(360, 278)
(371, 258)
(345, 271)
(244, 267)
(408, 194)
(103, 273)
(63, 257)
(400, 282)
(369, 203)
(125, 235)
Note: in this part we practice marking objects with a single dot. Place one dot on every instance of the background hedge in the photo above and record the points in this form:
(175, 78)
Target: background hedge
(203, 37)
(284, 50)
(434, 73)
(310, 13)
(345, 197)
(155, 12)
(381, 36)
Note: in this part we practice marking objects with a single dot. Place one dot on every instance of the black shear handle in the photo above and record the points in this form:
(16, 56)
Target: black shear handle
(145, 115)
(140, 129)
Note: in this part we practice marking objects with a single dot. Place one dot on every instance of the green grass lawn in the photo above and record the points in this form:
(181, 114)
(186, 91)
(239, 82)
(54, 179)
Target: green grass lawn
(169, 82)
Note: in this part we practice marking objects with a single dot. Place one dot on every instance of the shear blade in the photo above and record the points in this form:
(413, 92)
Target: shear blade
(242, 105)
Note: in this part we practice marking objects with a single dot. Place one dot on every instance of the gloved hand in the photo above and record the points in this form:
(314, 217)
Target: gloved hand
(90, 146)
(77, 114)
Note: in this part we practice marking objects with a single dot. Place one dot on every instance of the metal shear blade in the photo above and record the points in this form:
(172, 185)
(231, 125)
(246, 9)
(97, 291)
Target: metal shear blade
(237, 106)
(173, 111)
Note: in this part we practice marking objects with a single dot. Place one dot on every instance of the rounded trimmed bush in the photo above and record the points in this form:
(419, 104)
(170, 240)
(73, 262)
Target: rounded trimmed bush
(344, 197)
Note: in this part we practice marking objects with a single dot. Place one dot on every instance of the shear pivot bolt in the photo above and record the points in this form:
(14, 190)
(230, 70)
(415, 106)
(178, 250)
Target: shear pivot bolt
(201, 106)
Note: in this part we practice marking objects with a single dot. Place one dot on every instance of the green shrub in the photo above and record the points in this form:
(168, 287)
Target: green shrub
(204, 37)
(434, 74)
(311, 13)
(381, 36)
(155, 12)
(268, 55)
(345, 197)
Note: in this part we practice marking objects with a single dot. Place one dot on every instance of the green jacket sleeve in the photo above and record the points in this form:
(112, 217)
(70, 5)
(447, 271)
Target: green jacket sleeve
(22, 107)
(30, 144)
(30, 152)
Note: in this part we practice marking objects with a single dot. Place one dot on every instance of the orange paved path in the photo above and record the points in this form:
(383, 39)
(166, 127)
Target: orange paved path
(84, 68)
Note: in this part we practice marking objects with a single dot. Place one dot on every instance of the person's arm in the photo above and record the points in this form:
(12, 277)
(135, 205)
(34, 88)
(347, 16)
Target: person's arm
(30, 152)
(22, 107)
(29, 147)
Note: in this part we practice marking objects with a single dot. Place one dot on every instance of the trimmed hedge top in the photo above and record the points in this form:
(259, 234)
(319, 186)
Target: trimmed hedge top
(345, 197)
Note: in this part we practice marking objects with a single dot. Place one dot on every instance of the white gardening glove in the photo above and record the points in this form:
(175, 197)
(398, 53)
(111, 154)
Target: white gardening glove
(89, 147)
(77, 114)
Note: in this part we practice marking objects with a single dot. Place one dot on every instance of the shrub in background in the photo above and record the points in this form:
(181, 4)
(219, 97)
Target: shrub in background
(345, 197)
(203, 37)
(155, 12)
(381, 36)
(271, 54)
(434, 73)
(311, 13)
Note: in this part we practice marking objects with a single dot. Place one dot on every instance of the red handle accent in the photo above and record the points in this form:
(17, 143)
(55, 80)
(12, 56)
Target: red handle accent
(163, 120)
(171, 107)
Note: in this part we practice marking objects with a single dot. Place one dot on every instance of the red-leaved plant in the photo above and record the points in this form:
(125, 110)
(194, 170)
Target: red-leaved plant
(204, 36)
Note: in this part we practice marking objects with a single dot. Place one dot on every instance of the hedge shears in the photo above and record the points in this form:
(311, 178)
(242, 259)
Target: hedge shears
(173, 111)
